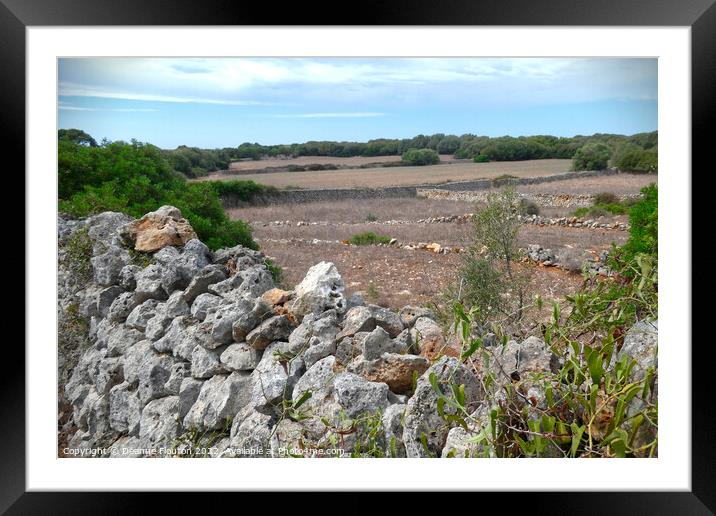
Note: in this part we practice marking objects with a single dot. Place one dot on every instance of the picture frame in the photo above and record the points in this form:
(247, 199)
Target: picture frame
(700, 15)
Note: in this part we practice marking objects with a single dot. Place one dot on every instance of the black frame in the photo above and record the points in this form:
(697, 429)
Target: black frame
(700, 15)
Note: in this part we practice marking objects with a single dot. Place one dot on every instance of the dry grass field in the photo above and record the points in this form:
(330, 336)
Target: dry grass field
(395, 277)
(355, 161)
(381, 177)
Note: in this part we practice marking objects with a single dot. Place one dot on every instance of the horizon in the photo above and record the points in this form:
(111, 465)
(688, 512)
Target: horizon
(223, 102)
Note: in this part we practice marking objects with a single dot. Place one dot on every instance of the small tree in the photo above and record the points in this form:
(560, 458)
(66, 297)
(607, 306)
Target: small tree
(592, 156)
(489, 279)
(421, 157)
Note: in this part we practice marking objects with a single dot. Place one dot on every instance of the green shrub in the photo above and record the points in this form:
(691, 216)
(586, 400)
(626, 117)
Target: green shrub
(592, 156)
(421, 157)
(481, 158)
(135, 178)
(638, 160)
(368, 238)
(605, 198)
(644, 222)
(275, 270)
(489, 282)
(371, 217)
(528, 207)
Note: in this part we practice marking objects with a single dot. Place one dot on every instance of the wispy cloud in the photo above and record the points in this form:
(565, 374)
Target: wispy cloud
(366, 114)
(69, 107)
(281, 81)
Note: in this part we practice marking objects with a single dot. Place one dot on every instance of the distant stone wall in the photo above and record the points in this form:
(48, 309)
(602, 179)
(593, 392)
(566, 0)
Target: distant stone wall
(342, 194)
(305, 196)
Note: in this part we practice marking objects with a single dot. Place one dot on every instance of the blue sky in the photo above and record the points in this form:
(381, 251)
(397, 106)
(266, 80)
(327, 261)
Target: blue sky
(222, 102)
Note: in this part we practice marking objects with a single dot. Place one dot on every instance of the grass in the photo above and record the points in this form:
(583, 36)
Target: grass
(79, 252)
(605, 204)
(368, 238)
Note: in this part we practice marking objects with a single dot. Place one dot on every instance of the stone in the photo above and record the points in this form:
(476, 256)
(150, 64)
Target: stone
(378, 342)
(141, 314)
(273, 329)
(405, 341)
(134, 358)
(128, 276)
(188, 393)
(249, 320)
(256, 281)
(159, 424)
(460, 442)
(160, 228)
(107, 267)
(199, 284)
(122, 306)
(104, 229)
(220, 398)
(204, 304)
(227, 286)
(120, 338)
(274, 379)
(276, 296)
(430, 339)
(173, 335)
(315, 331)
(357, 396)
(394, 369)
(357, 319)
(346, 350)
(106, 297)
(128, 447)
(178, 372)
(251, 433)
(387, 320)
(409, 314)
(240, 357)
(318, 380)
(224, 318)
(149, 284)
(287, 439)
(154, 373)
(110, 372)
(125, 409)
(393, 427)
(322, 289)
(422, 420)
(205, 362)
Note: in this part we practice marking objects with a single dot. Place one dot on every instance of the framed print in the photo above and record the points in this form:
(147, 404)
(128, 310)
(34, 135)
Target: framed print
(426, 244)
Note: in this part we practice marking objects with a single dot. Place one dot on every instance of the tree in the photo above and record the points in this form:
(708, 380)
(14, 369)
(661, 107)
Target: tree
(76, 136)
(592, 156)
(488, 270)
(421, 157)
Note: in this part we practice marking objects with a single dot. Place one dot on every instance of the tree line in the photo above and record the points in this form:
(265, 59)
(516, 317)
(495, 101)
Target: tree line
(637, 152)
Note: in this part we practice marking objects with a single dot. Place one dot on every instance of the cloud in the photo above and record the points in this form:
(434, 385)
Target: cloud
(366, 114)
(368, 84)
(68, 107)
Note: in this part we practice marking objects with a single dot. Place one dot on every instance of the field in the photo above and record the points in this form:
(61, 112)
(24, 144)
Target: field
(394, 276)
(355, 161)
(381, 177)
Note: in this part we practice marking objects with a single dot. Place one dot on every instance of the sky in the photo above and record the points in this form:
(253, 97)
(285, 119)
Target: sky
(223, 102)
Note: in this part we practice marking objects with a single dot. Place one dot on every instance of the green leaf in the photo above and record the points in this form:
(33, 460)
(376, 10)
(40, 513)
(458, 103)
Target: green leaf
(304, 397)
(577, 432)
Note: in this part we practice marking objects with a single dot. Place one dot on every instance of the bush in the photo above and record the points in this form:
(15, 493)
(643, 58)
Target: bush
(528, 207)
(638, 160)
(135, 178)
(489, 283)
(421, 157)
(368, 238)
(605, 198)
(481, 158)
(644, 222)
(592, 156)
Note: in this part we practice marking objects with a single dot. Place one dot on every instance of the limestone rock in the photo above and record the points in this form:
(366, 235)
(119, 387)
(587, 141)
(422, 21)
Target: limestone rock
(394, 369)
(422, 420)
(160, 228)
(322, 289)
